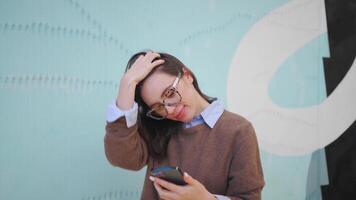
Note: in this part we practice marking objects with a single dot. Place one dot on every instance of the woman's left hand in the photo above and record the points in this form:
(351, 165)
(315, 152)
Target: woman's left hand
(192, 191)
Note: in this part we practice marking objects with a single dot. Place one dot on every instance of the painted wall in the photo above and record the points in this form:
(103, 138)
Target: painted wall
(61, 61)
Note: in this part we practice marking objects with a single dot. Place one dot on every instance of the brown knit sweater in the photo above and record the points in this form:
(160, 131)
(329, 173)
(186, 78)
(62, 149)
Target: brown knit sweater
(225, 159)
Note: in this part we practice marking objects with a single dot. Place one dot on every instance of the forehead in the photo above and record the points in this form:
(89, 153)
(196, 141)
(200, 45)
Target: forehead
(154, 86)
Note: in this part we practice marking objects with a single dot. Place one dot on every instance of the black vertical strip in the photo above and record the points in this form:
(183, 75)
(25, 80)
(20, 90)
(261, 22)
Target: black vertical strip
(340, 154)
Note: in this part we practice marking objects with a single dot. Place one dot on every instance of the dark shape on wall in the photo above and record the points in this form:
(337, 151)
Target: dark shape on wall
(340, 154)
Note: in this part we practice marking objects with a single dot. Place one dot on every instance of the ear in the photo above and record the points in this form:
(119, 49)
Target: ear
(187, 75)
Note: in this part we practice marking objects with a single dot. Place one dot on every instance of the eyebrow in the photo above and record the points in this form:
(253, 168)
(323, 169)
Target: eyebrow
(168, 87)
(161, 95)
(174, 83)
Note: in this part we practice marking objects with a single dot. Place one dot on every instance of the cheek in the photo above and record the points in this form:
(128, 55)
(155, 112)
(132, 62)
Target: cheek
(187, 96)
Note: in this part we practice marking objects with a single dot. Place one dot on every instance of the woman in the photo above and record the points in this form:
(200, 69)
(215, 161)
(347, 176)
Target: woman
(161, 117)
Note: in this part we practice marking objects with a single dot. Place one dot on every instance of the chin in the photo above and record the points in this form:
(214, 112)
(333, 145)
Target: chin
(186, 118)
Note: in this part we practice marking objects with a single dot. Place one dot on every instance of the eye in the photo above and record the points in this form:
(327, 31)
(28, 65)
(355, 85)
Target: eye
(169, 93)
(158, 110)
(156, 106)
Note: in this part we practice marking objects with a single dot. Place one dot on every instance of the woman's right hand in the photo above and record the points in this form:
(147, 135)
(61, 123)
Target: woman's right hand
(137, 72)
(142, 67)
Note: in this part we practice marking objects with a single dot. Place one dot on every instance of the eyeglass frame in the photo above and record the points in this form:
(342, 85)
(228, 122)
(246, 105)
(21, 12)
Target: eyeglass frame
(172, 87)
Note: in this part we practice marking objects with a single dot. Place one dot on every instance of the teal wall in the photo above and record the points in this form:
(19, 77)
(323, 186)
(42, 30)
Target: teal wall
(60, 64)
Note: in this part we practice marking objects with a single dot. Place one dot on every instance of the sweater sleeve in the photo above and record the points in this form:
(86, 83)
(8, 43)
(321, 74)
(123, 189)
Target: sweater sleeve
(124, 147)
(245, 175)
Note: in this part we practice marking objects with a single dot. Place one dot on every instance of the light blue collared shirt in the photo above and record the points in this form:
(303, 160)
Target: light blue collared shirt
(209, 115)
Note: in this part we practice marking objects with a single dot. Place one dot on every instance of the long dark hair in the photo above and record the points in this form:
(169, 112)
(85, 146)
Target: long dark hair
(157, 133)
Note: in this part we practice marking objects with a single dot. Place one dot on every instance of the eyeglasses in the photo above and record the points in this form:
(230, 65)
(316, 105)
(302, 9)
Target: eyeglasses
(171, 97)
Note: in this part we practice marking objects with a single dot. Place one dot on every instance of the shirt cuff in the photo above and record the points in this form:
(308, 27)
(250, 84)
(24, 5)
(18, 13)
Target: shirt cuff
(113, 113)
(221, 197)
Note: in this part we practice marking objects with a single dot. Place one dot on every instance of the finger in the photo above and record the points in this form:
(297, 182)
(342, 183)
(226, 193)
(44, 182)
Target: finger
(152, 56)
(169, 186)
(164, 194)
(139, 59)
(149, 55)
(158, 188)
(188, 179)
(157, 63)
(145, 56)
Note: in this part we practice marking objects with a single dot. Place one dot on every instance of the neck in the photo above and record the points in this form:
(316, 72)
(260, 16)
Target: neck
(201, 104)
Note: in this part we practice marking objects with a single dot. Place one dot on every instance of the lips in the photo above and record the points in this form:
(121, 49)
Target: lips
(180, 112)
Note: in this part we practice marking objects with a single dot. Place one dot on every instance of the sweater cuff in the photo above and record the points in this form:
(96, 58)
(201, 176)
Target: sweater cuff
(113, 113)
(221, 197)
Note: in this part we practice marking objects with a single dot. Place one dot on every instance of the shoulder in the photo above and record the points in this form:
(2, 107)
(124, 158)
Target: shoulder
(232, 120)
(234, 125)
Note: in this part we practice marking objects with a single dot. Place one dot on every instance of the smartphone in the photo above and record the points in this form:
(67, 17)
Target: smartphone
(169, 173)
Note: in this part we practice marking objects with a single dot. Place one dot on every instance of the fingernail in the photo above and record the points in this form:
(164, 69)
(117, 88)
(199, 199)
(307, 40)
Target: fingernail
(186, 174)
(151, 178)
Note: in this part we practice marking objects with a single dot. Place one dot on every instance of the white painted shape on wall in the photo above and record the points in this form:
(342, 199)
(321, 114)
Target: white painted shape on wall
(263, 49)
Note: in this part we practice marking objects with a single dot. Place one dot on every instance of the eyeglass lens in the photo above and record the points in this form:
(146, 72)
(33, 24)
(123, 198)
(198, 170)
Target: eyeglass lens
(172, 98)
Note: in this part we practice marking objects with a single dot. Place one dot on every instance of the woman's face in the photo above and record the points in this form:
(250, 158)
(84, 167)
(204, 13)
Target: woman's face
(155, 85)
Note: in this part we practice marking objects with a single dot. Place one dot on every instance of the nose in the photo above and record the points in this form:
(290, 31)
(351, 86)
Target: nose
(170, 109)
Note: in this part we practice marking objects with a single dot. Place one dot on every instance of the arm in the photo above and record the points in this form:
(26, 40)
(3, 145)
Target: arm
(246, 176)
(124, 147)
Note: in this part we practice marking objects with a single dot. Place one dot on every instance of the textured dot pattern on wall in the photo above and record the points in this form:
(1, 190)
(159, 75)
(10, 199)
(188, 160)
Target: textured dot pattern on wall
(54, 82)
(61, 63)
(115, 195)
(60, 31)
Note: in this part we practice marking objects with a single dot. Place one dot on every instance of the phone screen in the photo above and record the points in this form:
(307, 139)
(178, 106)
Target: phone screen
(169, 173)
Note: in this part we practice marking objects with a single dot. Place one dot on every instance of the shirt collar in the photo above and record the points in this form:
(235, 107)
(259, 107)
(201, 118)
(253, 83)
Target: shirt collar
(209, 115)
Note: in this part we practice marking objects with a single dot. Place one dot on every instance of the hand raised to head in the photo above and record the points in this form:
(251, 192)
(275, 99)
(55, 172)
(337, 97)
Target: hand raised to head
(143, 66)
